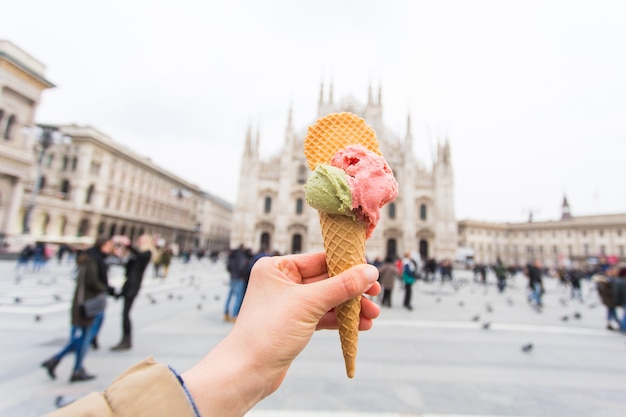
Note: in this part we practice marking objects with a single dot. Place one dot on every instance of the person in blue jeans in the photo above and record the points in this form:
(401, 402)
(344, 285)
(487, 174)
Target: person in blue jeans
(237, 266)
(88, 285)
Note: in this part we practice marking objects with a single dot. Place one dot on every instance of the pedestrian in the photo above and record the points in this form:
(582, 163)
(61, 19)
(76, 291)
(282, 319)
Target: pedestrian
(409, 276)
(237, 266)
(500, 270)
(39, 256)
(251, 362)
(535, 282)
(156, 261)
(388, 276)
(166, 260)
(138, 260)
(89, 285)
(608, 288)
(23, 259)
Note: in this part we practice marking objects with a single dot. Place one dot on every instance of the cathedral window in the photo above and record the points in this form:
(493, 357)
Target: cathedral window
(66, 161)
(74, 163)
(268, 205)
(423, 212)
(299, 205)
(302, 171)
(392, 210)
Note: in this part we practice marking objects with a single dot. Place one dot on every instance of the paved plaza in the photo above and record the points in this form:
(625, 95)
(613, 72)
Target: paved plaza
(458, 353)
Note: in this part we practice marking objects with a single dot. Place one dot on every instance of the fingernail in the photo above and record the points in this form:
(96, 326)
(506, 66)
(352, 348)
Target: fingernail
(371, 273)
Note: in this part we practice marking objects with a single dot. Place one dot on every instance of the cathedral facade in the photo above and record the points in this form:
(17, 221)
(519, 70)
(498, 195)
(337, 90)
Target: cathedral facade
(271, 209)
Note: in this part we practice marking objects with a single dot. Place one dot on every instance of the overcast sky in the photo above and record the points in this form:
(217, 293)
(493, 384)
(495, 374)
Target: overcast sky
(532, 94)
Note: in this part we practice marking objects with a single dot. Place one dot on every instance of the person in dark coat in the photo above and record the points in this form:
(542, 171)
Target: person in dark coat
(388, 276)
(135, 267)
(89, 284)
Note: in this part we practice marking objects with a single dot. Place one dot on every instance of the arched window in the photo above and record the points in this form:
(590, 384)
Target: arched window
(268, 205)
(392, 210)
(66, 161)
(42, 182)
(8, 131)
(423, 212)
(112, 229)
(62, 225)
(101, 228)
(302, 171)
(74, 163)
(299, 205)
(89, 194)
(65, 188)
(265, 240)
(296, 243)
(83, 227)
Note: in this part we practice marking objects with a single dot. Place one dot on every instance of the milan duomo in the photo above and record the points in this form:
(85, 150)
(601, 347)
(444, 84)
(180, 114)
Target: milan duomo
(271, 210)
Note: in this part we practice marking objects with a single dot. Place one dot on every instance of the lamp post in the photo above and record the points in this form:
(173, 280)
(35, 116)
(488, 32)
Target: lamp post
(47, 136)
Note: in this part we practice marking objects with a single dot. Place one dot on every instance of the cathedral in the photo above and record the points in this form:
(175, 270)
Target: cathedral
(271, 210)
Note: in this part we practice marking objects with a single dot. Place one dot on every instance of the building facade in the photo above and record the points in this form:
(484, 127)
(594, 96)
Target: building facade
(90, 185)
(570, 241)
(22, 80)
(271, 210)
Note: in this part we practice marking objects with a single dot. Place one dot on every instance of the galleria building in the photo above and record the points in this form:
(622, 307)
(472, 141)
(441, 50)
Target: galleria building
(91, 185)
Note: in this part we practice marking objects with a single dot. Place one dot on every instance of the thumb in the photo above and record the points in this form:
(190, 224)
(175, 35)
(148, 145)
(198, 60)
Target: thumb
(347, 285)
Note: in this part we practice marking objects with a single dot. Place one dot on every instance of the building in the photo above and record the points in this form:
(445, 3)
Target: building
(22, 80)
(271, 210)
(569, 241)
(88, 185)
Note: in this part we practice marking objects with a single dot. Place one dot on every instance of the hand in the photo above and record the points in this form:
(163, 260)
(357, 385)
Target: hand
(276, 321)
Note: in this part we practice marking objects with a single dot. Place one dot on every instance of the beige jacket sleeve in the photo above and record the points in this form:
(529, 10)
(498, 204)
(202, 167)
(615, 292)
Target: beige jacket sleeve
(146, 389)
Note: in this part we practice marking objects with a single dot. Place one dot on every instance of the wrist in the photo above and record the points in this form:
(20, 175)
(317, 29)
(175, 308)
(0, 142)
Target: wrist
(227, 382)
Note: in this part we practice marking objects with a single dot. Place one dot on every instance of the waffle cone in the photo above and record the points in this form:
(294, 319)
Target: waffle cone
(344, 243)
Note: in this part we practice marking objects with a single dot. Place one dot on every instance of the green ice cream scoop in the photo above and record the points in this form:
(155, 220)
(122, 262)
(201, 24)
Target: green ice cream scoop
(328, 190)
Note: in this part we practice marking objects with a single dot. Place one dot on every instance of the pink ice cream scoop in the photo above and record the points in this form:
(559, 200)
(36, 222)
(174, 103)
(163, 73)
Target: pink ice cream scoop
(371, 182)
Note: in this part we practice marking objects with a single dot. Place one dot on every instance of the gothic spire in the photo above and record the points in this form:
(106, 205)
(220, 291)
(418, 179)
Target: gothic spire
(248, 147)
(369, 94)
(321, 92)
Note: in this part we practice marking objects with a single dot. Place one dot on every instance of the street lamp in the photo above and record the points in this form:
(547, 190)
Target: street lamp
(46, 136)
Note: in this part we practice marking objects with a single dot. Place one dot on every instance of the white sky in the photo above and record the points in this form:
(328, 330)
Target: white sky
(531, 93)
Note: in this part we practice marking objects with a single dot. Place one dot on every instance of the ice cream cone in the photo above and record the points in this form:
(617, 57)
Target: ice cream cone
(344, 235)
(344, 242)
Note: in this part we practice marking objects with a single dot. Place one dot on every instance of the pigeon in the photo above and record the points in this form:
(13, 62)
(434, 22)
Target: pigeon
(438, 299)
(509, 301)
(180, 297)
(475, 318)
(37, 317)
(577, 315)
(153, 301)
(216, 297)
(486, 325)
(170, 296)
(489, 308)
(203, 296)
(461, 303)
(563, 301)
(57, 297)
(17, 300)
(564, 318)
(527, 347)
(199, 307)
(62, 401)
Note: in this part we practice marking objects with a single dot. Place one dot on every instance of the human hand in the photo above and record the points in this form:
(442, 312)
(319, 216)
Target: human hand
(276, 321)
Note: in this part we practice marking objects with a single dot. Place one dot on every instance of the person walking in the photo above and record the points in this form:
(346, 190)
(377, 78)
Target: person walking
(166, 260)
(500, 270)
(409, 276)
(135, 267)
(535, 282)
(237, 266)
(88, 286)
(388, 276)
